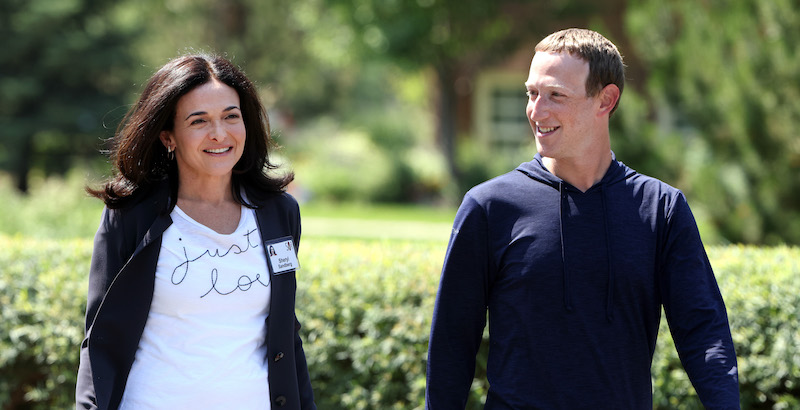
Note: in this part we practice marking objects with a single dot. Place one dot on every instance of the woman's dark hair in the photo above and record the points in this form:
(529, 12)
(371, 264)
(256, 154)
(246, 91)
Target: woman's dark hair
(138, 157)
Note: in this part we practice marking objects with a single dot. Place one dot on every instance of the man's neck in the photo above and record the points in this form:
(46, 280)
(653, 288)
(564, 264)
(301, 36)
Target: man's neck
(582, 173)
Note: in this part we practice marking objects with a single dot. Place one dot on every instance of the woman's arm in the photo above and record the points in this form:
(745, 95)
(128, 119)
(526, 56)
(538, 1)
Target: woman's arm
(106, 261)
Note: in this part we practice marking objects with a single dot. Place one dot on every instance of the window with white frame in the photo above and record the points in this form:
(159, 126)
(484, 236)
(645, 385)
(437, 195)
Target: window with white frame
(499, 108)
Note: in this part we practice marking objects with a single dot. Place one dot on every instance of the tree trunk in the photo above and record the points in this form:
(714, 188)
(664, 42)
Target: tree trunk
(446, 118)
(23, 164)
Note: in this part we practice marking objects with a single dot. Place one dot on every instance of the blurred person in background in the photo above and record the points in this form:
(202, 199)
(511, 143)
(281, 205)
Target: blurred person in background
(573, 255)
(186, 310)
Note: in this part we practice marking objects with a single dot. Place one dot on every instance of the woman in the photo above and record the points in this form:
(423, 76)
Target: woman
(185, 308)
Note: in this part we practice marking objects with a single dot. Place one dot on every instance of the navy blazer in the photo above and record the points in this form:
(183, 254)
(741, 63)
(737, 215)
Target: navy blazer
(121, 281)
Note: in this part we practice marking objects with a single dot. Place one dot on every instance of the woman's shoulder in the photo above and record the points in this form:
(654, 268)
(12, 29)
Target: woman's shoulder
(261, 199)
(153, 200)
(141, 208)
(288, 200)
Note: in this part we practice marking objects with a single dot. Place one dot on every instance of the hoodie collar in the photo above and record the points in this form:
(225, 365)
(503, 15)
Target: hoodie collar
(535, 169)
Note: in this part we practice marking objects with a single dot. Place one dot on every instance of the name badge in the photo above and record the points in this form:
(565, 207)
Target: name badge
(282, 255)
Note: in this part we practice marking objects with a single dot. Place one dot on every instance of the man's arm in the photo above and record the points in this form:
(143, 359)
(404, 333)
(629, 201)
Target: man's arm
(459, 315)
(696, 312)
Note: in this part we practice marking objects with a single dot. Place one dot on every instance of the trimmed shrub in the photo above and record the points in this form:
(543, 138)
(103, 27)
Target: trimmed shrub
(42, 303)
(761, 287)
(366, 308)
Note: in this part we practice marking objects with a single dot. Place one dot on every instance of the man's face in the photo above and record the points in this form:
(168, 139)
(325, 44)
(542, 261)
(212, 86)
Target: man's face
(563, 119)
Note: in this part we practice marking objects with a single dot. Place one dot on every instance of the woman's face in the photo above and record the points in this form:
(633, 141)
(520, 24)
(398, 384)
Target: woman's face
(209, 134)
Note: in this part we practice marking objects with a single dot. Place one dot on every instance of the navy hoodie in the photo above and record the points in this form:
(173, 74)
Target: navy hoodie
(574, 283)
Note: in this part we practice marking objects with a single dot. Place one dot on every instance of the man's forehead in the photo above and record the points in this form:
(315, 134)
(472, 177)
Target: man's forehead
(558, 59)
(553, 67)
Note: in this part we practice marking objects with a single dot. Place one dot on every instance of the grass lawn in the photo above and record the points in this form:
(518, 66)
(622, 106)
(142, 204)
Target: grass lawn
(408, 222)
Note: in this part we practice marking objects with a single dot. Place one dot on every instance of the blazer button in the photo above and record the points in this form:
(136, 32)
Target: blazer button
(280, 401)
(279, 356)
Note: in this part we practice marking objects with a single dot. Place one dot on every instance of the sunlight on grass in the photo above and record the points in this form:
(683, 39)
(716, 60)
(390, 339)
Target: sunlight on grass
(375, 229)
(376, 221)
(394, 212)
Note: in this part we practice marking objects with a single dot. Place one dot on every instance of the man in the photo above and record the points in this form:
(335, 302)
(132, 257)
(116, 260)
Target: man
(573, 255)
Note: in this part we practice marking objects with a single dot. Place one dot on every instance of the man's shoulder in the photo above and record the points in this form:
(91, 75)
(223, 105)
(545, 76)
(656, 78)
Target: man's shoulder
(645, 190)
(509, 193)
(501, 185)
(651, 184)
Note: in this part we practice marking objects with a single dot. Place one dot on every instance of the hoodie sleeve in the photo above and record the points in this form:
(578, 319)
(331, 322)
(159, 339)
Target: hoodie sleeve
(696, 312)
(459, 315)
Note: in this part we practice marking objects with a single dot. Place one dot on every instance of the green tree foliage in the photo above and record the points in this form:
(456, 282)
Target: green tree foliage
(64, 66)
(711, 104)
(453, 38)
(302, 62)
(275, 42)
(724, 88)
(70, 69)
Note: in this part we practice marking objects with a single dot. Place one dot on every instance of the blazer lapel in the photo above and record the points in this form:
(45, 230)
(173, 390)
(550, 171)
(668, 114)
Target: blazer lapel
(122, 316)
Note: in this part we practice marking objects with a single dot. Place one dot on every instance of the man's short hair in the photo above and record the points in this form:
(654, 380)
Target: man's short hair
(605, 62)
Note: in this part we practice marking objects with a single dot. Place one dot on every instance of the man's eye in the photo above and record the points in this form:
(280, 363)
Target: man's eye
(531, 94)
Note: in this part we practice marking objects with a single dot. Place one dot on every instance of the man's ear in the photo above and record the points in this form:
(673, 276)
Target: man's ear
(609, 96)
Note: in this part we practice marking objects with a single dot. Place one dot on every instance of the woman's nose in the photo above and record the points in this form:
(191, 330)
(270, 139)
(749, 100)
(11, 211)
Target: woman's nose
(217, 131)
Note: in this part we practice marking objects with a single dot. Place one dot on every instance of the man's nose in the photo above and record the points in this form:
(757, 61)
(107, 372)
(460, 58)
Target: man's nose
(537, 109)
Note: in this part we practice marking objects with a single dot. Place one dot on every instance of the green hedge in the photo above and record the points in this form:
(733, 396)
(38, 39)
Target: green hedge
(42, 303)
(366, 307)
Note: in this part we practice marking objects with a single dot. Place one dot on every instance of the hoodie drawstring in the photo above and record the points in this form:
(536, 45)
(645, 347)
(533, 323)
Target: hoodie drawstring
(610, 296)
(565, 271)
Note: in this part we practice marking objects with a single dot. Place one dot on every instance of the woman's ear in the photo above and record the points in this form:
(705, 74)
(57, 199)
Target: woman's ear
(166, 139)
(609, 96)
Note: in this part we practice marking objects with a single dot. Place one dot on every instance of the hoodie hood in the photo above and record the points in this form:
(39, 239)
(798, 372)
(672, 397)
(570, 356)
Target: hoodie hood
(617, 172)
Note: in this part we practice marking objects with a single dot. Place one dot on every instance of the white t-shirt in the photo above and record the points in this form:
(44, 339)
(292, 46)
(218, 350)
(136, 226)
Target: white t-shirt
(203, 345)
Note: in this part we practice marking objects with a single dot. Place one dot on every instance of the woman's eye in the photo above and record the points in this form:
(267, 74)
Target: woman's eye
(198, 121)
(232, 116)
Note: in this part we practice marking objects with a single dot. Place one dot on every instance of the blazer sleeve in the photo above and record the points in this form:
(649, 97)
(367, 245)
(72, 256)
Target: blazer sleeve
(303, 377)
(696, 312)
(107, 260)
